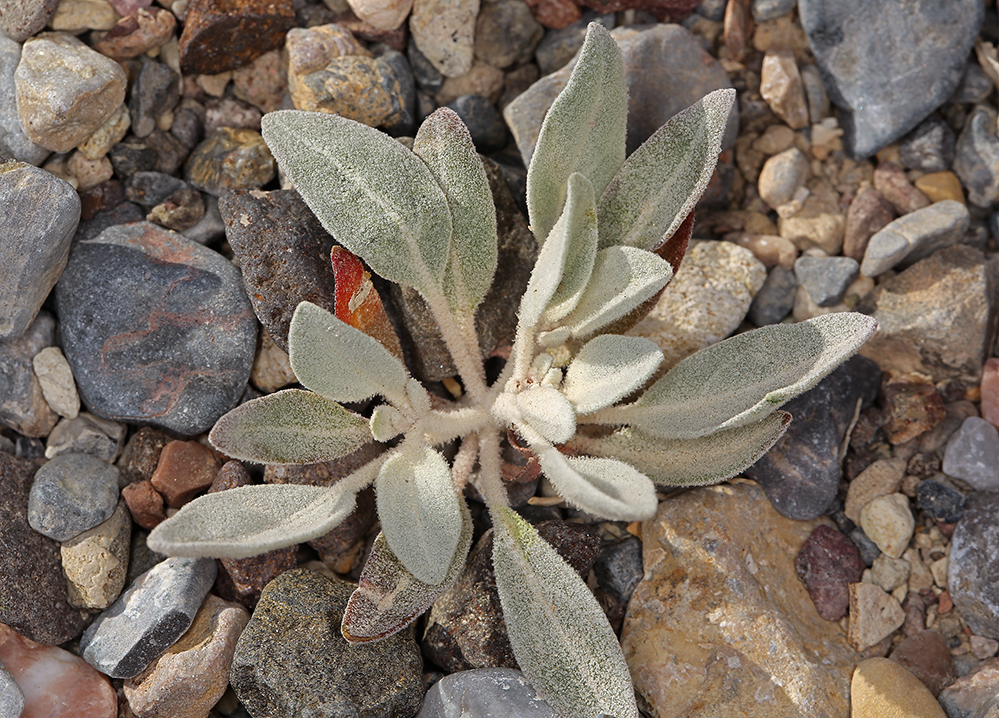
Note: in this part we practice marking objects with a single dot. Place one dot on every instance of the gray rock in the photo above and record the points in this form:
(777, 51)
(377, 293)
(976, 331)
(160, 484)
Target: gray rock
(712, 9)
(155, 90)
(483, 693)
(815, 93)
(558, 47)
(782, 175)
(11, 697)
(483, 121)
(21, 19)
(22, 404)
(976, 693)
(975, 86)
(976, 160)
(210, 227)
(14, 143)
(506, 33)
(618, 569)
(887, 65)
(775, 300)
(972, 454)
(86, 434)
(764, 10)
(150, 188)
(826, 278)
(41, 214)
(148, 617)
(974, 563)
(292, 660)
(915, 236)
(427, 77)
(70, 494)
(929, 147)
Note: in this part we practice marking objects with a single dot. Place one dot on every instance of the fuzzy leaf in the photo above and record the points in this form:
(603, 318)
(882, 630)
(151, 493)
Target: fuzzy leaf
(744, 378)
(548, 412)
(340, 362)
(388, 597)
(548, 267)
(603, 487)
(584, 131)
(579, 223)
(662, 180)
(289, 427)
(420, 511)
(559, 633)
(443, 143)
(607, 369)
(357, 301)
(623, 278)
(371, 193)
(691, 462)
(249, 520)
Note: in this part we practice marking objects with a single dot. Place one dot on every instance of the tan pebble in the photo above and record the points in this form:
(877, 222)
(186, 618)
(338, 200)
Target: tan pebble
(939, 570)
(920, 576)
(888, 522)
(214, 85)
(982, 647)
(56, 379)
(776, 139)
(879, 479)
(444, 32)
(881, 688)
(940, 186)
(770, 249)
(874, 615)
(271, 366)
(382, 14)
(95, 562)
(481, 79)
(781, 87)
(89, 173)
(107, 135)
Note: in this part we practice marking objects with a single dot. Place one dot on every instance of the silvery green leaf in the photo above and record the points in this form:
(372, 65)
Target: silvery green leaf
(340, 362)
(443, 143)
(662, 180)
(420, 511)
(607, 488)
(692, 462)
(623, 278)
(388, 597)
(559, 634)
(548, 412)
(607, 369)
(289, 427)
(371, 193)
(387, 422)
(579, 223)
(744, 378)
(584, 131)
(249, 520)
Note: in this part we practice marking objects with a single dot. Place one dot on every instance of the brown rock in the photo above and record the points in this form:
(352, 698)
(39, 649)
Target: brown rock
(555, 14)
(827, 564)
(891, 182)
(133, 35)
(185, 469)
(781, 87)
(144, 503)
(869, 211)
(221, 35)
(141, 454)
(927, 656)
(938, 186)
(911, 408)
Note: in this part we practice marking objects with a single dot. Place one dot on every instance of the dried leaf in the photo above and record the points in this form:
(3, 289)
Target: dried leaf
(357, 302)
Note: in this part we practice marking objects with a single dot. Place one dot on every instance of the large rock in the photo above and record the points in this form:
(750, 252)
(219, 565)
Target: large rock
(974, 563)
(13, 140)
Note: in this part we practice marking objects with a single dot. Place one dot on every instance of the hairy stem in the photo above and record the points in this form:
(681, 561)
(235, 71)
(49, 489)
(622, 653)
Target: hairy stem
(461, 340)
(490, 475)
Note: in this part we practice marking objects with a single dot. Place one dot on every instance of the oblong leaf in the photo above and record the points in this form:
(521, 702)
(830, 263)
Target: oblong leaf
(691, 462)
(445, 146)
(744, 378)
(659, 184)
(340, 362)
(584, 131)
(559, 634)
(546, 275)
(548, 412)
(289, 427)
(388, 597)
(249, 520)
(607, 488)
(367, 190)
(579, 223)
(420, 511)
(607, 369)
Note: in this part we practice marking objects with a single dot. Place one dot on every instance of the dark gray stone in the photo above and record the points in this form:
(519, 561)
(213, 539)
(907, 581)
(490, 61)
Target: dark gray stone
(72, 493)
(484, 693)
(973, 578)
(427, 77)
(291, 659)
(929, 147)
(397, 81)
(975, 86)
(869, 550)
(976, 159)
(22, 405)
(618, 569)
(132, 156)
(558, 47)
(148, 617)
(506, 33)
(887, 65)
(155, 90)
(939, 502)
(151, 188)
(775, 300)
(156, 328)
(826, 278)
(712, 9)
(483, 121)
(124, 213)
(14, 143)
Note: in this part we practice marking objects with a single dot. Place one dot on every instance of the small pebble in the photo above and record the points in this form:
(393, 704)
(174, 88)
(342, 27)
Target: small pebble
(976, 159)
(618, 569)
(782, 175)
(151, 188)
(185, 469)
(929, 147)
(869, 212)
(145, 504)
(180, 211)
(927, 656)
(56, 380)
(78, 16)
(86, 434)
(888, 521)
(826, 278)
(940, 502)
(973, 590)
(983, 648)
(915, 236)
(782, 88)
(891, 181)
(230, 159)
(827, 564)
(482, 693)
(881, 478)
(155, 90)
(136, 34)
(95, 561)
(506, 33)
(889, 573)
(142, 454)
(874, 615)
(444, 30)
(972, 454)
(881, 688)
(70, 494)
(107, 135)
(938, 186)
(225, 36)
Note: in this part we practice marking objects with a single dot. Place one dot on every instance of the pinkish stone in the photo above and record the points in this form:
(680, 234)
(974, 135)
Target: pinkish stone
(990, 391)
(55, 683)
(129, 7)
(827, 564)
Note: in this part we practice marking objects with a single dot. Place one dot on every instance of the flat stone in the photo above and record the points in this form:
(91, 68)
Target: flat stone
(78, 16)
(56, 380)
(977, 156)
(20, 20)
(888, 522)
(96, 560)
(177, 349)
(227, 34)
(13, 140)
(826, 278)
(973, 564)
(927, 656)
(972, 454)
(887, 66)
(151, 188)
(482, 693)
(881, 688)
(975, 695)
(874, 615)
(760, 645)
(42, 215)
(148, 617)
(929, 147)
(827, 563)
(775, 299)
(70, 494)
(781, 87)
(915, 236)
(819, 223)
(444, 30)
(185, 469)
(894, 185)
(881, 478)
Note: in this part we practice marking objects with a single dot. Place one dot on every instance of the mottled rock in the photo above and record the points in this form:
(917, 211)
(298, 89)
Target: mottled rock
(155, 90)
(96, 560)
(142, 454)
(882, 688)
(827, 563)
(618, 569)
(912, 406)
(826, 278)
(819, 223)
(506, 33)
(22, 404)
(136, 34)
(893, 184)
(484, 692)
(221, 35)
(973, 564)
(230, 159)
(775, 299)
(783, 176)
(929, 147)
(70, 494)
(262, 82)
(975, 695)
(977, 157)
(24, 18)
(13, 140)
(151, 188)
(444, 30)
(874, 615)
(927, 656)
(180, 211)
(940, 502)
(890, 573)
(781, 87)
(881, 478)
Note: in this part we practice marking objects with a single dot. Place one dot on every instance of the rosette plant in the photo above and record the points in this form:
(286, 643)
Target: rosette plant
(573, 389)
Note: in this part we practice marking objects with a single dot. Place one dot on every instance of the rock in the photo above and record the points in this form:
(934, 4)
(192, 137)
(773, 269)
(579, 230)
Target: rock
(874, 615)
(888, 66)
(890, 573)
(382, 14)
(484, 123)
(21, 20)
(136, 34)
(881, 478)
(506, 33)
(990, 391)
(148, 617)
(783, 176)
(95, 561)
(983, 648)
(940, 502)
(33, 597)
(70, 494)
(142, 454)
(775, 299)
(22, 405)
(781, 87)
(815, 91)
(888, 522)
(426, 75)
(819, 223)
(56, 379)
(912, 406)
(222, 35)
(88, 174)
(706, 300)
(189, 357)
(929, 147)
(975, 695)
(927, 656)
(893, 184)
(78, 16)
(37, 227)
(618, 569)
(444, 30)
(292, 658)
(972, 454)
(180, 211)
(65, 90)
(11, 696)
(827, 563)
(482, 79)
(271, 366)
(185, 469)
(936, 317)
(145, 504)
(826, 278)
(210, 227)
(261, 83)
(189, 678)
(484, 692)
(757, 645)
(53, 682)
(230, 159)
(555, 14)
(882, 688)
(940, 186)
(973, 562)
(13, 140)
(155, 90)
(977, 155)
(151, 188)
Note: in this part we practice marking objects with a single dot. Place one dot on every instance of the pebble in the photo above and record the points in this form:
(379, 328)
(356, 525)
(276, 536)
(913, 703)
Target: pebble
(96, 560)
(56, 379)
(815, 91)
(427, 77)
(131, 157)
(775, 299)
(262, 83)
(136, 34)
(781, 87)
(21, 20)
(180, 211)
(189, 678)
(210, 227)
(764, 10)
(874, 615)
(893, 184)
(972, 557)
(826, 278)
(230, 159)
(618, 569)
(888, 522)
(977, 157)
(881, 688)
(271, 366)
(770, 249)
(975, 695)
(292, 647)
(927, 656)
(145, 504)
(972, 454)
(88, 174)
(22, 405)
(482, 693)
(155, 90)
(107, 135)
(886, 81)
(42, 213)
(222, 36)
(180, 308)
(938, 186)
(881, 478)
(819, 223)
(827, 563)
(915, 236)
(869, 212)
(939, 502)
(506, 33)
(78, 16)
(990, 391)
(776, 138)
(13, 140)
(53, 682)
(912, 406)
(148, 617)
(142, 454)
(890, 573)
(929, 147)
(482, 79)
(151, 188)
(185, 469)
(783, 176)
(70, 494)
(484, 122)
(444, 30)
(983, 648)
(65, 90)
(11, 696)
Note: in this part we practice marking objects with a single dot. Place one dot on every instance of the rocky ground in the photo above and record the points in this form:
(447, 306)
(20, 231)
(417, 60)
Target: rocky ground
(853, 571)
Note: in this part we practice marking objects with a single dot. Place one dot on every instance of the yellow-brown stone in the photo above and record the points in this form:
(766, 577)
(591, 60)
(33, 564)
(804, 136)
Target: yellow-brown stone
(940, 186)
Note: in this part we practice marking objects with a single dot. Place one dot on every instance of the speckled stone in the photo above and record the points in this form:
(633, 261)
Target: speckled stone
(95, 561)
(826, 278)
(21, 19)
(929, 147)
(506, 33)
(940, 502)
(482, 693)
(11, 696)
(155, 90)
(221, 35)
(444, 30)
(78, 16)
(230, 159)
(56, 380)
(977, 157)
(141, 454)
(881, 688)
(70, 494)
(874, 615)
(13, 140)
(888, 522)
(781, 87)
(973, 564)
(136, 34)
(22, 404)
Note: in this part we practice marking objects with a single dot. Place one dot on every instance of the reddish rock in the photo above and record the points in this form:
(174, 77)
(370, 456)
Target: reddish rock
(185, 469)
(135, 34)
(869, 211)
(927, 656)
(827, 564)
(665, 10)
(555, 14)
(102, 198)
(141, 454)
(144, 503)
(990, 391)
(222, 35)
(911, 408)
(738, 28)
(891, 181)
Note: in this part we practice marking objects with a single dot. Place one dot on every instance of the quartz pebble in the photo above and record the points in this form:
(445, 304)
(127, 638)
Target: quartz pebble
(972, 562)
(827, 563)
(883, 688)
(70, 494)
(96, 560)
(972, 454)
(56, 380)
(482, 693)
(888, 521)
(874, 615)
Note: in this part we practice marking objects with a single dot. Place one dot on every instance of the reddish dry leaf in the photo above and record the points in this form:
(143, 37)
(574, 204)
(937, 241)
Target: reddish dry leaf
(357, 301)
